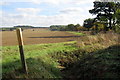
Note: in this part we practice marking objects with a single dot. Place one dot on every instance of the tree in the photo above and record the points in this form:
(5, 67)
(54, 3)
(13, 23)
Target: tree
(88, 23)
(118, 16)
(76, 27)
(117, 25)
(106, 12)
(53, 28)
(81, 28)
(70, 27)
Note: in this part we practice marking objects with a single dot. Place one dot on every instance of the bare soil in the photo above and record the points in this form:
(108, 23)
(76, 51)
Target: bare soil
(37, 36)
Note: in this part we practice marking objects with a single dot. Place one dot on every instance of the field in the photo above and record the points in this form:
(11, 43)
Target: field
(68, 55)
(38, 36)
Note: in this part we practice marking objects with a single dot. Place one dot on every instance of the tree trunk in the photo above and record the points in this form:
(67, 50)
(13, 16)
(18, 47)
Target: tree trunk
(110, 23)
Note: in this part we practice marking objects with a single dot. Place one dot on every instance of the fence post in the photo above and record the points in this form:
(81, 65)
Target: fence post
(21, 49)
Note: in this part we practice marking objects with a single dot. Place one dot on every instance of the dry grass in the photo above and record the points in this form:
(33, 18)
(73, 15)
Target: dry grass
(102, 39)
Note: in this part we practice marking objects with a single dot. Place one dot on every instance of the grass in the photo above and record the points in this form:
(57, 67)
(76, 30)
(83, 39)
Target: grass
(76, 33)
(40, 64)
(64, 60)
(103, 63)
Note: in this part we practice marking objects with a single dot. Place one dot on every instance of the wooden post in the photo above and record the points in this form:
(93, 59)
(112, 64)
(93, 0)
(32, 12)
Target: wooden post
(20, 42)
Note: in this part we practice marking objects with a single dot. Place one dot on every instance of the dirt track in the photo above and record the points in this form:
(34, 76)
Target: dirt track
(37, 36)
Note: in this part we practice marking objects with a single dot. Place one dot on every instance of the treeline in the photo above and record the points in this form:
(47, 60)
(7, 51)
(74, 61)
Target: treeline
(23, 26)
(78, 27)
(14, 28)
(69, 27)
(7, 29)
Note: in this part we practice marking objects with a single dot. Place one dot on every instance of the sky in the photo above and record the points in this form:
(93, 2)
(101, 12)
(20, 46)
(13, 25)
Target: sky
(43, 13)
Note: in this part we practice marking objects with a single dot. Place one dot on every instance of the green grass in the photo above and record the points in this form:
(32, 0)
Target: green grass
(76, 33)
(65, 60)
(38, 57)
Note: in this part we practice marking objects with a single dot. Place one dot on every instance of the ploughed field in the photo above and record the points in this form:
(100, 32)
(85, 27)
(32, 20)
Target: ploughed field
(37, 36)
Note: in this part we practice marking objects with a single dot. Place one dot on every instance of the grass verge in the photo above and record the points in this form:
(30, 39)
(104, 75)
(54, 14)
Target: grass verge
(38, 57)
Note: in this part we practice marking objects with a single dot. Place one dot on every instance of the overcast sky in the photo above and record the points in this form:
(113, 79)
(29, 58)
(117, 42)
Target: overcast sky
(44, 12)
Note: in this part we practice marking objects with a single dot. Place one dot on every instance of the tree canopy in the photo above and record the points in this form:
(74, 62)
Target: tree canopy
(107, 13)
(88, 23)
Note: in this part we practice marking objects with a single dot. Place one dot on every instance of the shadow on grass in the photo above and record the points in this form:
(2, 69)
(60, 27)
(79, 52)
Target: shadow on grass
(36, 69)
(103, 63)
(57, 37)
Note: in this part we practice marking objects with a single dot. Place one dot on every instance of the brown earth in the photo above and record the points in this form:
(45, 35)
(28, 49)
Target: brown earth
(37, 36)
